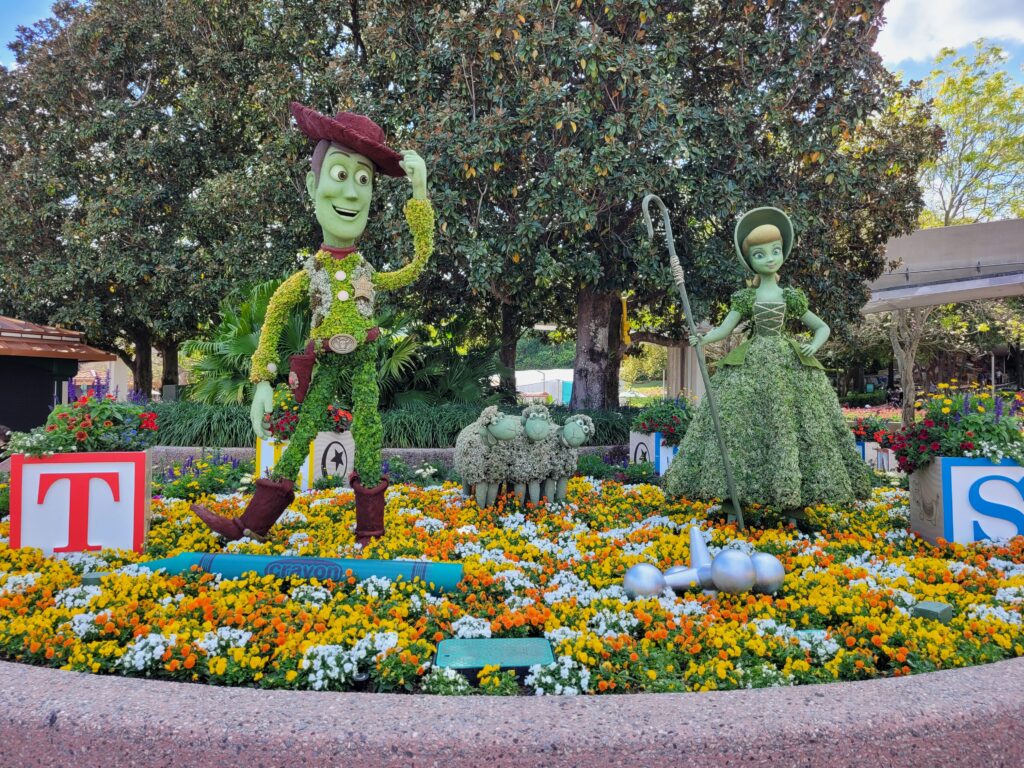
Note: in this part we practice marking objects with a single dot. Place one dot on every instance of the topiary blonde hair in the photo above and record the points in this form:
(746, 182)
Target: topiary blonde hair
(766, 233)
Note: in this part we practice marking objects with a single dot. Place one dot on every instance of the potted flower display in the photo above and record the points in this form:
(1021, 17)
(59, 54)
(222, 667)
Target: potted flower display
(874, 441)
(965, 459)
(80, 482)
(657, 432)
(330, 453)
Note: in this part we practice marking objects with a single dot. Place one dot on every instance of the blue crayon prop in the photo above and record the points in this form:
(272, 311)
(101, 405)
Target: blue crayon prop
(442, 577)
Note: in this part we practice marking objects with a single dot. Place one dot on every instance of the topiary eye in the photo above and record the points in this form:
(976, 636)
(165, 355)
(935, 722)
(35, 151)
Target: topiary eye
(338, 173)
(362, 178)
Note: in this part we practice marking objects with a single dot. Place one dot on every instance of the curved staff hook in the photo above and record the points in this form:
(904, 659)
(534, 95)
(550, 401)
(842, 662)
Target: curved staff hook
(677, 275)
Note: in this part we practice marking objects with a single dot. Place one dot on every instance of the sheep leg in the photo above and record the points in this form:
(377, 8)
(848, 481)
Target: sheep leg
(549, 489)
(563, 489)
(534, 488)
(481, 494)
(492, 493)
(467, 490)
(520, 491)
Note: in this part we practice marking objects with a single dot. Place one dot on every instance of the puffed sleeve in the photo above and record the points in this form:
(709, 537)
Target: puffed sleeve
(796, 302)
(743, 303)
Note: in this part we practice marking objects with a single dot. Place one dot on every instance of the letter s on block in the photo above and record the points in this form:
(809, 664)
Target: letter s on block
(993, 508)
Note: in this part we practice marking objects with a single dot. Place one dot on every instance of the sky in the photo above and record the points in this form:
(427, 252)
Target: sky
(915, 32)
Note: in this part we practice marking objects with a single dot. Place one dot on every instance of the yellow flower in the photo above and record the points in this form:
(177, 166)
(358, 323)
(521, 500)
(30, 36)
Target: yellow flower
(945, 410)
(981, 409)
(983, 327)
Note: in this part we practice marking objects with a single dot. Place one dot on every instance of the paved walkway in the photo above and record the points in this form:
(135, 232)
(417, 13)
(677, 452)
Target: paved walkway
(970, 717)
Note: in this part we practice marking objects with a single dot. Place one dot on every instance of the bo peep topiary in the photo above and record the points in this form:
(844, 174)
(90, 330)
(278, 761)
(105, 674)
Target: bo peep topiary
(477, 460)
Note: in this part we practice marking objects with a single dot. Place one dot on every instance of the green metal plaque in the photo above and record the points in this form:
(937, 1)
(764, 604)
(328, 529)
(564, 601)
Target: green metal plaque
(470, 656)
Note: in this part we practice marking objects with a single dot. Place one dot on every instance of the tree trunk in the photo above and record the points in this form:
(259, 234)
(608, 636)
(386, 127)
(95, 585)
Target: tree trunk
(142, 365)
(510, 333)
(169, 354)
(615, 353)
(590, 366)
(905, 332)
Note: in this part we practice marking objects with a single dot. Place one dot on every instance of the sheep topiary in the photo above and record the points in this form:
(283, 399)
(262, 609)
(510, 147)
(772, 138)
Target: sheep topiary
(480, 456)
(560, 454)
(525, 461)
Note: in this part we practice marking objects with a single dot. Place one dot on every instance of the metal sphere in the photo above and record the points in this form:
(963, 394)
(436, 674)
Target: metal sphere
(769, 573)
(643, 580)
(733, 571)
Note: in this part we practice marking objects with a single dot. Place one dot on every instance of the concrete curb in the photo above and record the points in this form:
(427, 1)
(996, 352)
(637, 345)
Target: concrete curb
(968, 717)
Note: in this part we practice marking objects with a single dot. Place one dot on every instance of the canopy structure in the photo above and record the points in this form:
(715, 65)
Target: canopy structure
(22, 339)
(35, 362)
(951, 264)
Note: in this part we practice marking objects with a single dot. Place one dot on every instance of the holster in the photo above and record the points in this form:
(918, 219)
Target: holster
(301, 372)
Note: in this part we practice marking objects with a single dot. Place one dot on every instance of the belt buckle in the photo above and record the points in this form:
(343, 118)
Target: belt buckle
(342, 343)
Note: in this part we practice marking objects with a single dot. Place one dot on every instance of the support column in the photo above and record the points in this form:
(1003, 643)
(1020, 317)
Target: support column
(692, 381)
(674, 371)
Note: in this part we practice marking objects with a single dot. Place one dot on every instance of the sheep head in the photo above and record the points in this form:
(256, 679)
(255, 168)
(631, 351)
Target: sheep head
(577, 430)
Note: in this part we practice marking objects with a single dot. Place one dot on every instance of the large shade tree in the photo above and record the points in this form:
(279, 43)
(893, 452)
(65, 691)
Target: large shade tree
(546, 122)
(147, 168)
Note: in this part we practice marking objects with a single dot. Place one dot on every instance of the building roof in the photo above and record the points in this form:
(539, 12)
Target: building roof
(22, 339)
(945, 265)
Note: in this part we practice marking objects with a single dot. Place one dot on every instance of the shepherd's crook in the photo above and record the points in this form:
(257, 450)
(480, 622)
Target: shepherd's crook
(677, 274)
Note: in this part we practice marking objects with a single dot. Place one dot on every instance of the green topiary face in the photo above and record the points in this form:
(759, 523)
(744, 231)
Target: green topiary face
(505, 428)
(574, 433)
(766, 259)
(341, 196)
(537, 429)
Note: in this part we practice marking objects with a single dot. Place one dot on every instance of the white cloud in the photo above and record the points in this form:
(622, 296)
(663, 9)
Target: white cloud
(916, 29)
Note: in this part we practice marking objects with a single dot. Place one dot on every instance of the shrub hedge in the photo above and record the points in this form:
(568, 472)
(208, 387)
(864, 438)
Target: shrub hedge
(225, 426)
(858, 399)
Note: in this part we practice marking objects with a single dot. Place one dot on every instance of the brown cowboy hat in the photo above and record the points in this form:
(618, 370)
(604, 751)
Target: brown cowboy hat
(357, 132)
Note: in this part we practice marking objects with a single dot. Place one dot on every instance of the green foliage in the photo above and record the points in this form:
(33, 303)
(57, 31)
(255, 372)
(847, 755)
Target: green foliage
(535, 352)
(220, 371)
(669, 417)
(648, 362)
(640, 472)
(187, 423)
(858, 399)
(788, 442)
(165, 182)
(980, 108)
(211, 475)
(424, 474)
(366, 425)
(541, 121)
(591, 465)
(5, 495)
(966, 423)
(86, 425)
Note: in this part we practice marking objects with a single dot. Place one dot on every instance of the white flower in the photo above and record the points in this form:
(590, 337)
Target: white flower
(76, 597)
(468, 626)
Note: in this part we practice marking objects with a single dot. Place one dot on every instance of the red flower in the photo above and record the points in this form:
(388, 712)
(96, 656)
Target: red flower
(108, 423)
(967, 445)
(935, 446)
(51, 427)
(81, 436)
(929, 423)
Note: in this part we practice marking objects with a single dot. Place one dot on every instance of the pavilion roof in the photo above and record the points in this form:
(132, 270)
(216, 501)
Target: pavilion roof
(19, 338)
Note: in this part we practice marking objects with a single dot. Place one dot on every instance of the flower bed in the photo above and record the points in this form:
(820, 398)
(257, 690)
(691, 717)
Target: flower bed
(553, 571)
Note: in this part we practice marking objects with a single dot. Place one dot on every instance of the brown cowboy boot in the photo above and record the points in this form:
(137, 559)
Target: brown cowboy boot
(370, 503)
(271, 499)
(301, 372)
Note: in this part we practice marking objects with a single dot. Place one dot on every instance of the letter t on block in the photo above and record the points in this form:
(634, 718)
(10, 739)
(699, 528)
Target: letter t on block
(78, 512)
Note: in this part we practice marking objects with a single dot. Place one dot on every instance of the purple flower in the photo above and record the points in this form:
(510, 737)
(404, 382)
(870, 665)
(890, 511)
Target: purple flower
(967, 403)
(999, 408)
